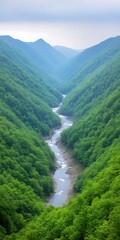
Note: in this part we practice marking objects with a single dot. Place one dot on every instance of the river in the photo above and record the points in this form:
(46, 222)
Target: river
(61, 176)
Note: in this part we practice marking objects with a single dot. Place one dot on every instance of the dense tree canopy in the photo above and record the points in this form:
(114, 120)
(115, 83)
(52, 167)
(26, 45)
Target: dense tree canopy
(26, 161)
(87, 62)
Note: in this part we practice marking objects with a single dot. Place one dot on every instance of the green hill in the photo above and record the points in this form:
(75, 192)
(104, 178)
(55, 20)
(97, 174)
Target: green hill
(26, 93)
(93, 89)
(94, 213)
(25, 166)
(94, 139)
(38, 77)
(45, 57)
(48, 57)
(87, 62)
(26, 162)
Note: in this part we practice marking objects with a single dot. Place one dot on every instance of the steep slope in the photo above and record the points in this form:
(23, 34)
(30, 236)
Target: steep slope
(27, 74)
(47, 59)
(25, 166)
(94, 213)
(87, 62)
(26, 162)
(96, 130)
(26, 93)
(25, 50)
(93, 89)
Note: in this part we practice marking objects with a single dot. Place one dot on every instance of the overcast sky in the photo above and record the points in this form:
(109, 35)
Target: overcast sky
(72, 23)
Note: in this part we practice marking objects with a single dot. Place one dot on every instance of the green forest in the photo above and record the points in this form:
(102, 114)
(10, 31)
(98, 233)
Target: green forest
(91, 82)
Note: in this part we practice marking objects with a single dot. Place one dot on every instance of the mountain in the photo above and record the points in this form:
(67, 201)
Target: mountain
(86, 62)
(94, 140)
(26, 162)
(13, 56)
(48, 57)
(78, 102)
(67, 52)
(25, 166)
(40, 53)
(26, 93)
(94, 101)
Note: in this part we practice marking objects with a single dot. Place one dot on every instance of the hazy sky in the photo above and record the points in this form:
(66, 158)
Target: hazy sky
(72, 23)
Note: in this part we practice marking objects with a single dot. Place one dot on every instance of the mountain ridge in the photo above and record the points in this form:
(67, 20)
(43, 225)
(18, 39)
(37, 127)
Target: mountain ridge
(88, 61)
(26, 162)
(40, 52)
(73, 66)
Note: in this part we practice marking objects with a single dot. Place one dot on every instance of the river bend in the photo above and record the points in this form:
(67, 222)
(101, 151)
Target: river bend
(61, 178)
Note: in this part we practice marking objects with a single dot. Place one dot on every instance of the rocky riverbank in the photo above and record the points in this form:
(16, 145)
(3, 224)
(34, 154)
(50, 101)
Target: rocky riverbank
(74, 168)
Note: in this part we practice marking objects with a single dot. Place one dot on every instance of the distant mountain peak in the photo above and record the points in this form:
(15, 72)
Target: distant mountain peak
(67, 52)
(41, 42)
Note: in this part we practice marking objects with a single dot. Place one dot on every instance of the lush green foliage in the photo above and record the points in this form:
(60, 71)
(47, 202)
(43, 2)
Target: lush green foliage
(94, 89)
(94, 213)
(26, 162)
(27, 74)
(28, 107)
(91, 135)
(87, 62)
(45, 58)
(26, 94)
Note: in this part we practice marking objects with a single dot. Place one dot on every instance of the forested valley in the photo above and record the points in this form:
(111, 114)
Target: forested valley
(33, 78)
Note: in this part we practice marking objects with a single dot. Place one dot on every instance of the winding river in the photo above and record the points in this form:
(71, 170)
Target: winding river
(61, 175)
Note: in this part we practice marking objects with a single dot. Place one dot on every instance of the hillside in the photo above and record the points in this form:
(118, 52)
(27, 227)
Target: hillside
(48, 56)
(89, 60)
(93, 139)
(25, 163)
(38, 80)
(25, 160)
(93, 89)
(41, 54)
(94, 214)
(26, 94)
